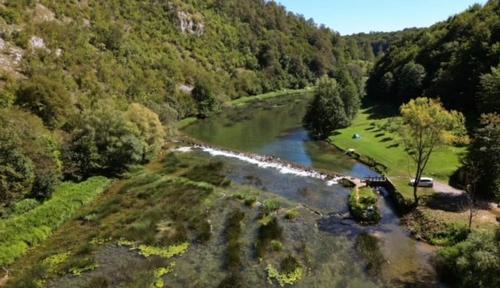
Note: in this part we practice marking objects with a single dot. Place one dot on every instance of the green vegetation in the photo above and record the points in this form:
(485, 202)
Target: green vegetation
(262, 97)
(484, 154)
(269, 230)
(108, 141)
(30, 162)
(379, 143)
(436, 229)
(363, 205)
(291, 272)
(98, 102)
(21, 232)
(335, 104)
(474, 262)
(164, 252)
(455, 60)
(156, 221)
(232, 233)
(426, 126)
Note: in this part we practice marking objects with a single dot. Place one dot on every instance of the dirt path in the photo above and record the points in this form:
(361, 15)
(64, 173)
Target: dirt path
(441, 187)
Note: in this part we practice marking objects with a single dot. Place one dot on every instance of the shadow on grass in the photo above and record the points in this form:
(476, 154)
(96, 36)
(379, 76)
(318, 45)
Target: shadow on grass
(395, 145)
(447, 202)
(386, 139)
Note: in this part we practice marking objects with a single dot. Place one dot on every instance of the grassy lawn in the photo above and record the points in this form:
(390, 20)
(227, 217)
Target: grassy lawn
(384, 147)
(243, 101)
(285, 92)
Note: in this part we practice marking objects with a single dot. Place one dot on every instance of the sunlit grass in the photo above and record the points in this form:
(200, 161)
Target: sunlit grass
(386, 148)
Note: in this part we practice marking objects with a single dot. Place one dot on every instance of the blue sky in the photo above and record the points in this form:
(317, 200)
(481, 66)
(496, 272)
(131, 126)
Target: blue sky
(353, 16)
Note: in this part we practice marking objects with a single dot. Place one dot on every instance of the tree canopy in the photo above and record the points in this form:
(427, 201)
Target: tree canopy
(334, 106)
(453, 60)
(426, 125)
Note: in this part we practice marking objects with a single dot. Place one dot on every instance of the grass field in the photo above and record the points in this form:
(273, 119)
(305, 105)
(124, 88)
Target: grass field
(240, 102)
(285, 92)
(384, 147)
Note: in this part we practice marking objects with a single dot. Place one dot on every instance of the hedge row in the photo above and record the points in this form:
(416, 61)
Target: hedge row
(19, 233)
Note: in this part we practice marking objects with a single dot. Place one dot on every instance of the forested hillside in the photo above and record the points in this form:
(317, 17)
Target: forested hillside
(373, 45)
(456, 60)
(87, 87)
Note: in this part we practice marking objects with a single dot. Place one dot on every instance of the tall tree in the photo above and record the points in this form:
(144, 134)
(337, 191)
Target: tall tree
(426, 125)
(326, 112)
(489, 91)
(485, 151)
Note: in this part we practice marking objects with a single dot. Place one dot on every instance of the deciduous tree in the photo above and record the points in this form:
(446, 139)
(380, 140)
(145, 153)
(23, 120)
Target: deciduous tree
(426, 125)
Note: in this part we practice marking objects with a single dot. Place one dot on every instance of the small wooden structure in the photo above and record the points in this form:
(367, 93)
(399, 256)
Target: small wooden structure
(375, 181)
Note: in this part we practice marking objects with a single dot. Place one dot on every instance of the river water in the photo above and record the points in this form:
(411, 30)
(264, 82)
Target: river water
(274, 129)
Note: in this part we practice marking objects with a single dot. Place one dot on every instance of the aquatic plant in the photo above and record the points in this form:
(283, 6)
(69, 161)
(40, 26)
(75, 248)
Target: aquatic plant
(292, 213)
(19, 233)
(287, 278)
(51, 263)
(159, 273)
(164, 252)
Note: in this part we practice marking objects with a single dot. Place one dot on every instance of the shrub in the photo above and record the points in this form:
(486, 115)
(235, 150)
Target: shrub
(203, 94)
(363, 205)
(29, 157)
(24, 206)
(19, 233)
(268, 231)
(474, 262)
(108, 140)
(291, 272)
(45, 97)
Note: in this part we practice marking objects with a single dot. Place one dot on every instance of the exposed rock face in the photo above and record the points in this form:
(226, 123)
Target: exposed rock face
(189, 24)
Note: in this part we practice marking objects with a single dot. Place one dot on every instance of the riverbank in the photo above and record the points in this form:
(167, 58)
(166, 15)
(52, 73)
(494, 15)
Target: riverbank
(172, 222)
(378, 146)
(444, 209)
(243, 101)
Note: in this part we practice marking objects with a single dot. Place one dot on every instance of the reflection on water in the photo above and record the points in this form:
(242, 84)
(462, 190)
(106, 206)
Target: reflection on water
(387, 249)
(275, 130)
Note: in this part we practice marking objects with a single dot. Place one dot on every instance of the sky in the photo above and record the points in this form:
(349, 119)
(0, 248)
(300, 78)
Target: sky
(354, 16)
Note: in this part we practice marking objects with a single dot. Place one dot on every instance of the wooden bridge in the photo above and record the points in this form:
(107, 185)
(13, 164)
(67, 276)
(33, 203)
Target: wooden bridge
(374, 180)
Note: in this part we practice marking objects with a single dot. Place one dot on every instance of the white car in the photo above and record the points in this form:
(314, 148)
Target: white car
(424, 182)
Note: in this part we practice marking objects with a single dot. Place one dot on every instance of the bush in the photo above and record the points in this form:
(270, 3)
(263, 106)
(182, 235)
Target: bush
(45, 97)
(29, 157)
(24, 206)
(19, 233)
(108, 140)
(203, 94)
(268, 231)
(474, 262)
(363, 205)
(326, 112)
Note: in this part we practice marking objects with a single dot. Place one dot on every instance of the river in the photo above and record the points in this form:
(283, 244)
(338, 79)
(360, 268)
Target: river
(274, 128)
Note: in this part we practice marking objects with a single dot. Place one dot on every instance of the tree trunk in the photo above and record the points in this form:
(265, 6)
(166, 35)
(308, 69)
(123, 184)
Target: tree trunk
(415, 196)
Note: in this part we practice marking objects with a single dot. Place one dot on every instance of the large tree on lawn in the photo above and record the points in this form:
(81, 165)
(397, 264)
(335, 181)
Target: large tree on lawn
(427, 125)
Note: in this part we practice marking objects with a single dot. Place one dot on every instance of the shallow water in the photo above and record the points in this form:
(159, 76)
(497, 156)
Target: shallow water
(275, 130)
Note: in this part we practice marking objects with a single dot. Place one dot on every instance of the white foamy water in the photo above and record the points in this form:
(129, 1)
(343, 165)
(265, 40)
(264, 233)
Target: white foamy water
(183, 149)
(264, 162)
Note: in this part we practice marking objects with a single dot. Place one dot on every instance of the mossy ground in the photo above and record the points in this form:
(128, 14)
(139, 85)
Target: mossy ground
(180, 223)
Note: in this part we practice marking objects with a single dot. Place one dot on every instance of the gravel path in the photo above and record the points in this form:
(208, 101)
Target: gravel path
(440, 187)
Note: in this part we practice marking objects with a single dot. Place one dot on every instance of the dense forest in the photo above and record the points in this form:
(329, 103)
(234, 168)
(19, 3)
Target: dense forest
(87, 87)
(92, 91)
(456, 60)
